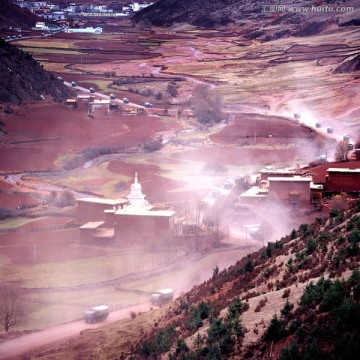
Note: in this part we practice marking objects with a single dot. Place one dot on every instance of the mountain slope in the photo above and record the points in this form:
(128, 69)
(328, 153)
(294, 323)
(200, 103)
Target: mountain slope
(24, 79)
(168, 12)
(215, 309)
(297, 18)
(13, 15)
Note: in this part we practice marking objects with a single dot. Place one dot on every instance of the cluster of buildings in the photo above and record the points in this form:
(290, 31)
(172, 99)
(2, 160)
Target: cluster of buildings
(111, 104)
(57, 12)
(300, 190)
(132, 221)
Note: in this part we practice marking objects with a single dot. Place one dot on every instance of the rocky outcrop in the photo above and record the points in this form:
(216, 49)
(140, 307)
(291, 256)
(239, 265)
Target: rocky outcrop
(349, 65)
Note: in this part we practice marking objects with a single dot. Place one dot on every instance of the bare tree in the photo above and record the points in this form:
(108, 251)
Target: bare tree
(193, 219)
(11, 305)
(207, 105)
(166, 102)
(213, 222)
(342, 150)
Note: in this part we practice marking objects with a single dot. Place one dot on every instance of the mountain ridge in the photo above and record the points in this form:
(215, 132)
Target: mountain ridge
(297, 18)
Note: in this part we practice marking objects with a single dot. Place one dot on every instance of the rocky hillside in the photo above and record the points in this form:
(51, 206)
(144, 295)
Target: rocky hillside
(267, 23)
(24, 80)
(296, 298)
(348, 65)
(298, 314)
(12, 15)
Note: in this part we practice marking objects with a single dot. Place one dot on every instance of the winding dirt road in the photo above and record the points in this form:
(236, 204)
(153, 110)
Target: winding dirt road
(18, 347)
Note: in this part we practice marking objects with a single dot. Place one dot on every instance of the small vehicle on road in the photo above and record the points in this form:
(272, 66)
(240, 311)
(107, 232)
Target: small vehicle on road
(97, 313)
(161, 297)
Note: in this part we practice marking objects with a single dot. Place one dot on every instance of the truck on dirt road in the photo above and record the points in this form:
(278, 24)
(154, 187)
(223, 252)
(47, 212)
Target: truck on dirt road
(97, 313)
(161, 297)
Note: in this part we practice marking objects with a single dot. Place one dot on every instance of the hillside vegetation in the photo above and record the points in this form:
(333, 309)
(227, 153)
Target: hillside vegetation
(297, 298)
(24, 80)
(12, 15)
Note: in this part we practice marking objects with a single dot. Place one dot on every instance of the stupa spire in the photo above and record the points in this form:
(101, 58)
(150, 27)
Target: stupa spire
(136, 197)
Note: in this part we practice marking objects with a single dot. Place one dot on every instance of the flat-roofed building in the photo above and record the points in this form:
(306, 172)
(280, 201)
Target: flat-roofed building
(254, 195)
(93, 209)
(266, 173)
(342, 180)
(293, 189)
(139, 226)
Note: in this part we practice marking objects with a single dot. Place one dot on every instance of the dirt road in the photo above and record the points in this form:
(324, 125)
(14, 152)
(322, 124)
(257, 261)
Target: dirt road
(16, 348)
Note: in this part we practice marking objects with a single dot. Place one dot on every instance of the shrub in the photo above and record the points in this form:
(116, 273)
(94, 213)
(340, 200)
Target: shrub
(286, 310)
(276, 330)
(121, 186)
(310, 246)
(215, 271)
(334, 213)
(66, 198)
(235, 308)
(204, 310)
(290, 352)
(249, 267)
(5, 213)
(181, 347)
(333, 296)
(313, 293)
(172, 90)
(152, 146)
(286, 293)
(132, 314)
(197, 315)
(159, 344)
(289, 265)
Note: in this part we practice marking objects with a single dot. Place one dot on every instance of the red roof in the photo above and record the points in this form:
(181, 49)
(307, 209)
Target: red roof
(319, 172)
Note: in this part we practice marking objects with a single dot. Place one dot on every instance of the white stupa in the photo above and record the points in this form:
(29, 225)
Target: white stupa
(136, 197)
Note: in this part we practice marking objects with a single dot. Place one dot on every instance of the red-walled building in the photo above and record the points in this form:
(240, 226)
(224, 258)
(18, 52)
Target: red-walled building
(342, 180)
